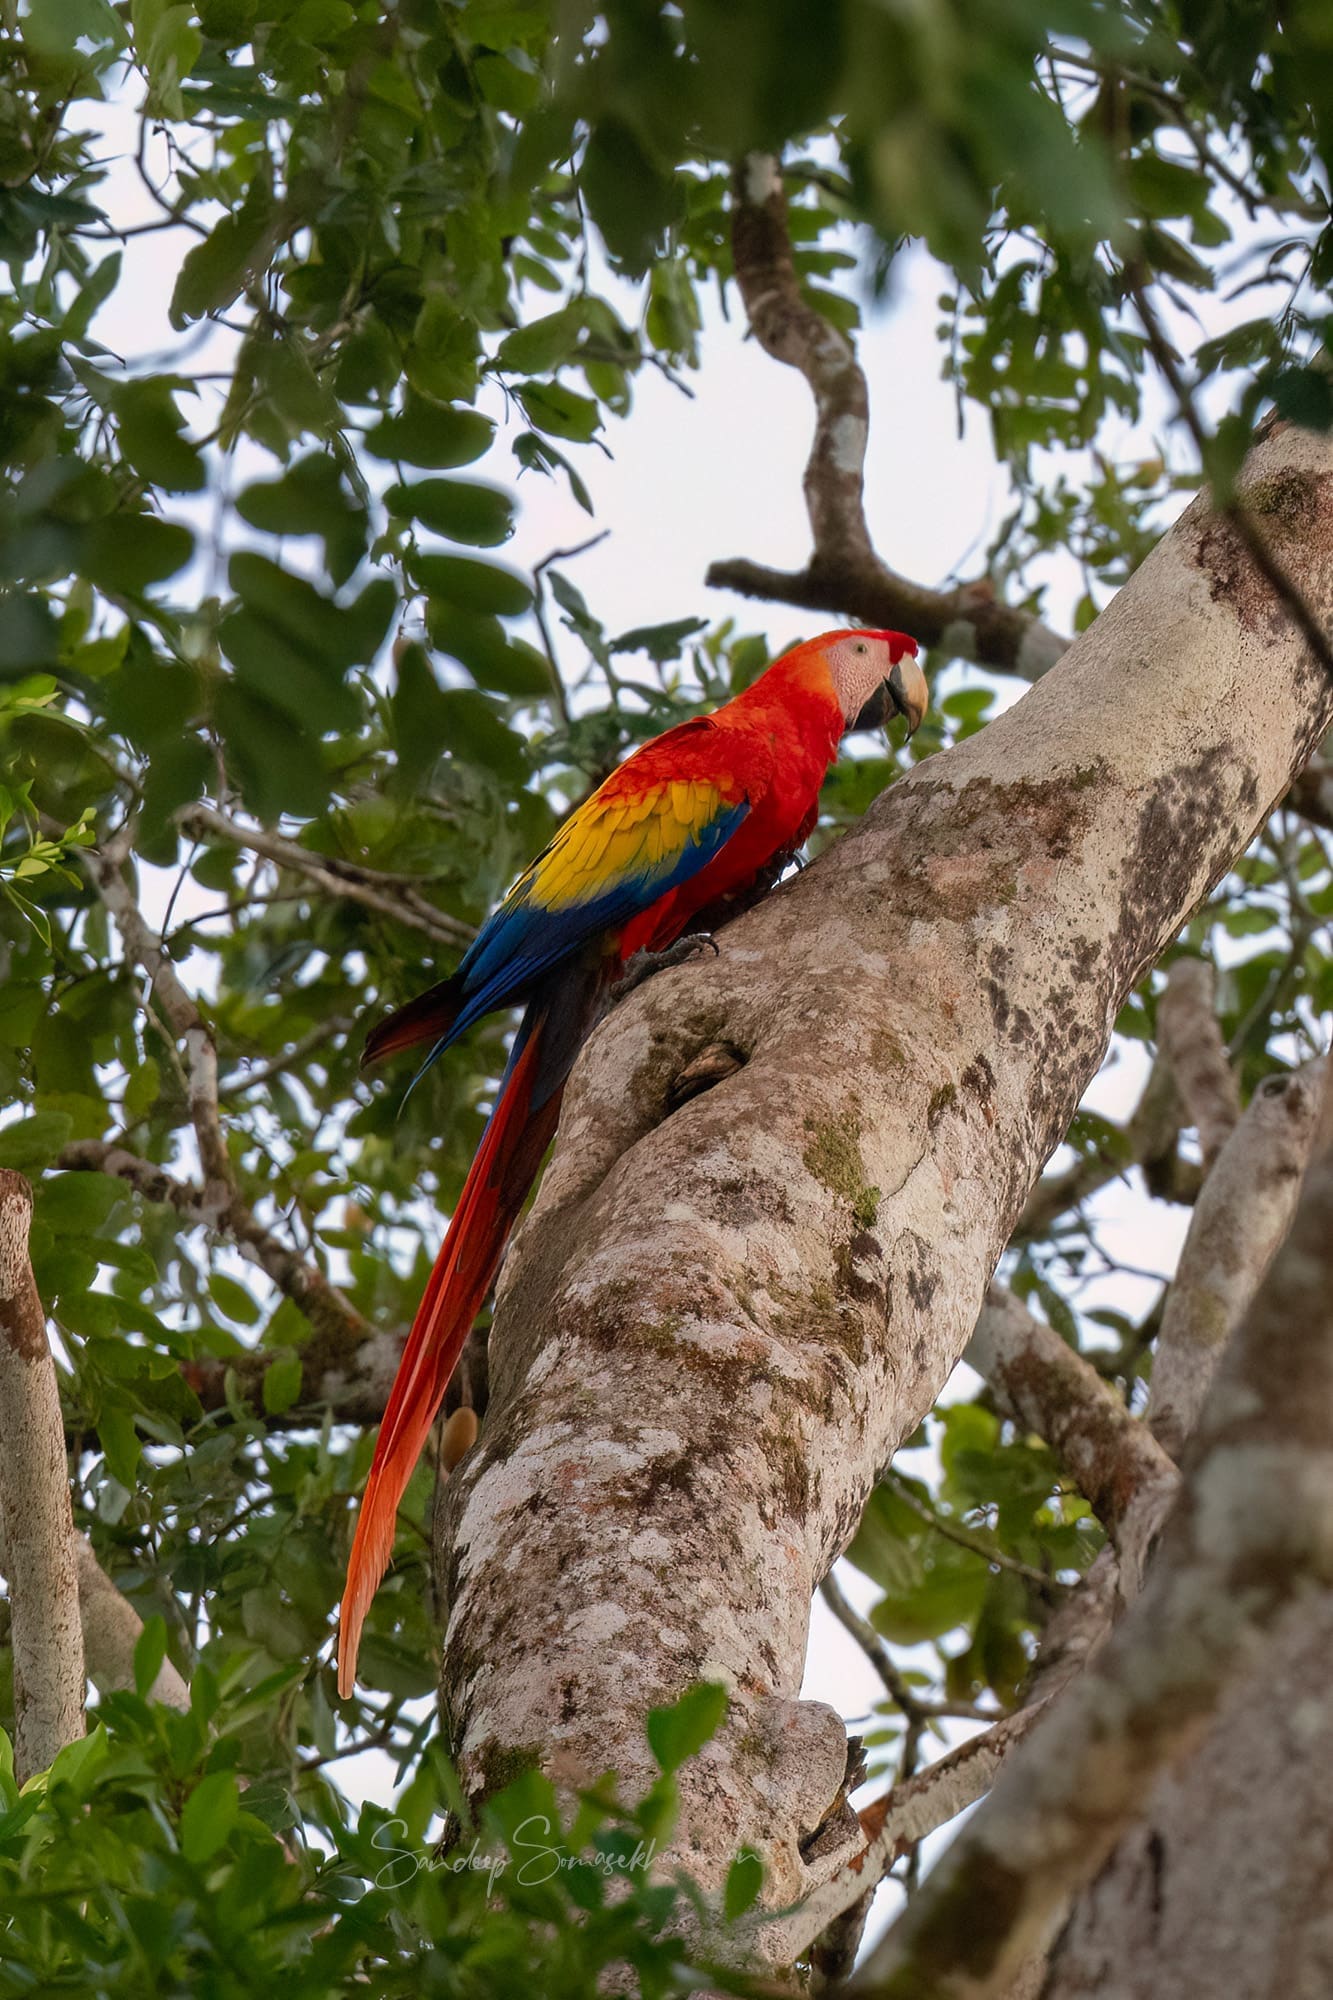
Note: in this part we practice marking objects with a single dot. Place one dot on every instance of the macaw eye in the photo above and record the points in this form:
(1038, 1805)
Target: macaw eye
(860, 646)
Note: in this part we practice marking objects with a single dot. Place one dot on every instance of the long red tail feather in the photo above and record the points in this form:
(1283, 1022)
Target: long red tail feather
(425, 1019)
(494, 1192)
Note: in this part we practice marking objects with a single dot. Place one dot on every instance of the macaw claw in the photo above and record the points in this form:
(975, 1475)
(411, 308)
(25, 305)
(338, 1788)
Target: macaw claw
(645, 963)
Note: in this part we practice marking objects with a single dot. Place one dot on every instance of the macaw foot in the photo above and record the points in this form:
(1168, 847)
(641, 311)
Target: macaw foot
(645, 963)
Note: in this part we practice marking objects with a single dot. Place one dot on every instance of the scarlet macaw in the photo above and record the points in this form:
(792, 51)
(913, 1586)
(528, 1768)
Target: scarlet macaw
(690, 825)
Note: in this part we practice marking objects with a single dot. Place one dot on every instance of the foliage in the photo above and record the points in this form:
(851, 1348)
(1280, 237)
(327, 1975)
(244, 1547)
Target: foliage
(165, 1853)
(260, 572)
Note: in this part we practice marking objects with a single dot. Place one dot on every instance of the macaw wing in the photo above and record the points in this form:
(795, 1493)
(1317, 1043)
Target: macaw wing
(640, 835)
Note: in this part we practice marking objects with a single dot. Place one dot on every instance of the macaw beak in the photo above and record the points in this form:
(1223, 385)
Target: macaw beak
(906, 689)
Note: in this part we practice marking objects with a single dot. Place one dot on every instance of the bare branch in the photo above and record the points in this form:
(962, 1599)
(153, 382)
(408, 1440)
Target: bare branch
(1252, 1534)
(396, 897)
(1311, 793)
(249, 1079)
(1119, 1467)
(1238, 1222)
(881, 1659)
(844, 575)
(111, 1631)
(1191, 1041)
(893, 1825)
(344, 1346)
(35, 1513)
(106, 867)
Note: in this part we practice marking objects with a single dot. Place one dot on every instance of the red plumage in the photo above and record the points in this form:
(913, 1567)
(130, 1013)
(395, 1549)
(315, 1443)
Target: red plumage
(693, 823)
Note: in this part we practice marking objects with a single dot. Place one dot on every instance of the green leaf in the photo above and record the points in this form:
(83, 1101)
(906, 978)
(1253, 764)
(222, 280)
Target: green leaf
(150, 1650)
(168, 45)
(479, 642)
(660, 642)
(464, 509)
(543, 344)
(681, 1731)
(274, 758)
(209, 1816)
(630, 197)
(474, 730)
(214, 271)
(78, 1204)
(442, 359)
(120, 1443)
(33, 1141)
(311, 499)
(472, 585)
(550, 406)
(125, 553)
(745, 1878)
(151, 431)
(431, 434)
(282, 1383)
(232, 1299)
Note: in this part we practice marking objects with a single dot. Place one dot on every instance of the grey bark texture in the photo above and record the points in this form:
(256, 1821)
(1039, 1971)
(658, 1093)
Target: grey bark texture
(1249, 1543)
(724, 1314)
(1225, 1887)
(36, 1520)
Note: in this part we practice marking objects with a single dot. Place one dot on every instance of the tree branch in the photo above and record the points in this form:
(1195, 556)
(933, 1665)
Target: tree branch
(893, 1825)
(1239, 1220)
(111, 1631)
(396, 897)
(1117, 1464)
(844, 575)
(1191, 1041)
(899, 1690)
(346, 1361)
(1252, 1534)
(36, 1519)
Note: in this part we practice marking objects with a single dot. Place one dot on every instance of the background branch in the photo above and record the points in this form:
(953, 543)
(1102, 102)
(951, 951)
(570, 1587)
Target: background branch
(35, 1514)
(396, 897)
(1241, 1216)
(844, 575)
(1253, 1533)
(1191, 1041)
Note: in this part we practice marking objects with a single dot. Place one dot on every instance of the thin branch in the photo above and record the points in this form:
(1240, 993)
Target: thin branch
(106, 867)
(894, 1825)
(882, 1660)
(539, 612)
(965, 1538)
(346, 1357)
(844, 575)
(36, 1519)
(249, 1079)
(393, 896)
(1114, 1460)
(1240, 1219)
(1192, 1043)
(1252, 1534)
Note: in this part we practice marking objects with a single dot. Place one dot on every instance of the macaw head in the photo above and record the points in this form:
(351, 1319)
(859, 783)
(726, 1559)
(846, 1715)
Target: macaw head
(875, 677)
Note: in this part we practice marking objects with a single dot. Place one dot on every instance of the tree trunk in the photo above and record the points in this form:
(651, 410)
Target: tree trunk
(728, 1308)
(1227, 1886)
